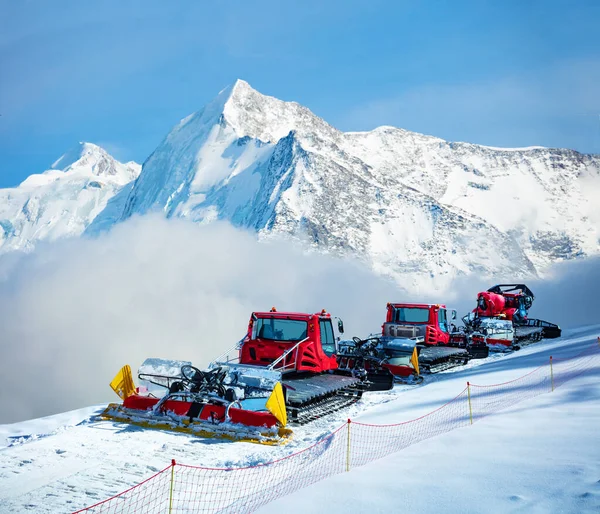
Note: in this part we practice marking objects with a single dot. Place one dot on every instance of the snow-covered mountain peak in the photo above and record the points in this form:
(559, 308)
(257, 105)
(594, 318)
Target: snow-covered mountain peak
(413, 206)
(213, 112)
(79, 151)
(63, 200)
(249, 113)
(234, 132)
(408, 203)
(89, 158)
(268, 119)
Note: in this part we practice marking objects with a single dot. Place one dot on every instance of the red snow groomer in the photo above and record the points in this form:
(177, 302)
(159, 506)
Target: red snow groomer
(284, 369)
(501, 320)
(416, 338)
(300, 351)
(440, 344)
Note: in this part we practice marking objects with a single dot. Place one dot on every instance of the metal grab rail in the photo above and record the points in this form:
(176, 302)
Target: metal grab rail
(285, 354)
(224, 357)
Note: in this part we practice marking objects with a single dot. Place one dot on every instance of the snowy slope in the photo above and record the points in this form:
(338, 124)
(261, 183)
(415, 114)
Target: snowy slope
(540, 456)
(64, 200)
(409, 205)
(524, 459)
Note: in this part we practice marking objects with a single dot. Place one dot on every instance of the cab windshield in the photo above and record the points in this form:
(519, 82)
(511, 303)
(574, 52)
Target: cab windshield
(280, 329)
(411, 315)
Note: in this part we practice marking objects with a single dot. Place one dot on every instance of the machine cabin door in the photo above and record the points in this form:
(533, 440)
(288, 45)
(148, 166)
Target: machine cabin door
(443, 320)
(328, 342)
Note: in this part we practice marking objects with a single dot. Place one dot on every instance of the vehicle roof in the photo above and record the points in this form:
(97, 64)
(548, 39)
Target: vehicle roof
(418, 305)
(291, 315)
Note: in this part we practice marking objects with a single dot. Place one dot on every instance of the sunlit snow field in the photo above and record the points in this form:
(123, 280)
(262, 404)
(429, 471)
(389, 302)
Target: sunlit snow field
(543, 455)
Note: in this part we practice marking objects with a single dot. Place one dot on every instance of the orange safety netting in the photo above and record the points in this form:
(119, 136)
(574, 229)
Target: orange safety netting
(186, 489)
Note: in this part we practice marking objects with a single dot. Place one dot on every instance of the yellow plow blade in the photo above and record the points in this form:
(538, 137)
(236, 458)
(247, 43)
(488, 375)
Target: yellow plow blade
(260, 435)
(123, 384)
(276, 404)
(415, 361)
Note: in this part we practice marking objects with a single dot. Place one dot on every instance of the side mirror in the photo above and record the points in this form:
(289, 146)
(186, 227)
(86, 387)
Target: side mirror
(340, 326)
(453, 314)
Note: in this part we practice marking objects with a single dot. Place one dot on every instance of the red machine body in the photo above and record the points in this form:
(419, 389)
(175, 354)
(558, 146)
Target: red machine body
(214, 413)
(308, 338)
(401, 370)
(501, 318)
(494, 305)
(432, 320)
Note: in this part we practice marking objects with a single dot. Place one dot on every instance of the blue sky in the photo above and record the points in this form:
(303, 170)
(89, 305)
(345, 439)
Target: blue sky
(121, 74)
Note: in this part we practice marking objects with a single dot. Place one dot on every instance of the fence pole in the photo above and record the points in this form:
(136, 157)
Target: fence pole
(172, 481)
(551, 374)
(469, 396)
(348, 448)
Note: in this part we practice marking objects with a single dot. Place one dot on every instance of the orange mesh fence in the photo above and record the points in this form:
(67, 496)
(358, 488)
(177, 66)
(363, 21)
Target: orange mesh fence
(569, 368)
(187, 489)
(369, 442)
(493, 398)
(487, 399)
(246, 489)
(148, 497)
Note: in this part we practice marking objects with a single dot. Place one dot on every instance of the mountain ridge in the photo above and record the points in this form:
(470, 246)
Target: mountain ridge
(409, 205)
(237, 150)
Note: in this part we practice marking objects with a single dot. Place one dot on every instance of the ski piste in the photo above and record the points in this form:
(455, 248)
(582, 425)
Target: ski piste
(291, 369)
(71, 460)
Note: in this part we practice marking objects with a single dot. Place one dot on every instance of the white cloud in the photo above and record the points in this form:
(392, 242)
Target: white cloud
(568, 296)
(72, 313)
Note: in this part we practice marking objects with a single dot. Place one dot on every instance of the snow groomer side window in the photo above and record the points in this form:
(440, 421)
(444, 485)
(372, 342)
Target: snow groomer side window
(327, 337)
(443, 320)
(280, 329)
